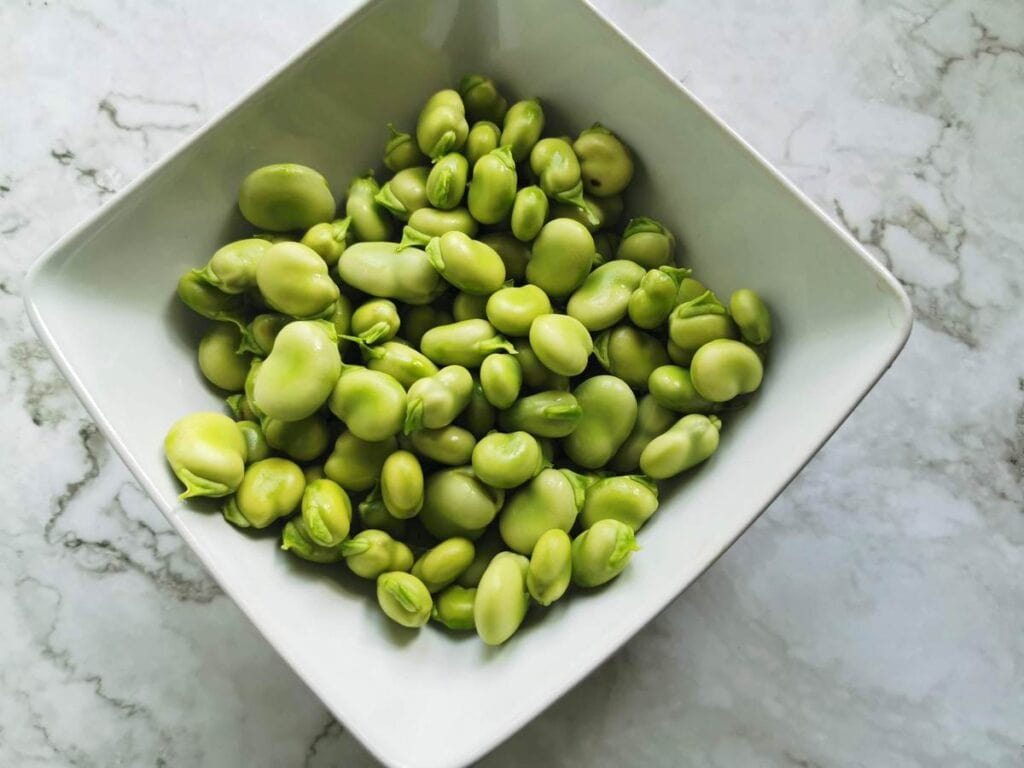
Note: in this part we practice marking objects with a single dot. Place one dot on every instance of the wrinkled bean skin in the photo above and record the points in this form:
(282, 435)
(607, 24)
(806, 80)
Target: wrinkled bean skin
(328, 239)
(545, 414)
(457, 503)
(401, 484)
(550, 570)
(232, 268)
(672, 387)
(406, 192)
(507, 460)
(446, 184)
(648, 243)
(356, 464)
(606, 163)
(401, 151)
(609, 411)
(372, 404)
(686, 444)
(603, 298)
(440, 566)
(285, 196)
(219, 360)
(630, 354)
(294, 280)
(602, 552)
(300, 372)
(404, 599)
(207, 452)
(561, 343)
(493, 191)
(630, 499)
(529, 212)
(723, 369)
(468, 264)
(522, 128)
(271, 489)
(482, 98)
(561, 257)
(751, 316)
(552, 499)
(453, 607)
(435, 401)
(388, 271)
(442, 126)
(369, 220)
(512, 310)
(652, 419)
(501, 598)
(698, 321)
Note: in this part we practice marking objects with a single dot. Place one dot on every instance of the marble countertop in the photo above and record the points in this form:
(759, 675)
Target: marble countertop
(872, 616)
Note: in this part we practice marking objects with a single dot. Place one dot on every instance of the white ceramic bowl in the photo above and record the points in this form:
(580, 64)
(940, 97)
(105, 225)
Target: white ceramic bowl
(103, 301)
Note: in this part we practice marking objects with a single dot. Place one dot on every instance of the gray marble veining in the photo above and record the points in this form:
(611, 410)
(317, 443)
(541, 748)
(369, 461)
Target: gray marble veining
(872, 616)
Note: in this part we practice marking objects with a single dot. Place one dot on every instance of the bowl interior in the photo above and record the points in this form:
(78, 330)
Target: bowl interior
(103, 299)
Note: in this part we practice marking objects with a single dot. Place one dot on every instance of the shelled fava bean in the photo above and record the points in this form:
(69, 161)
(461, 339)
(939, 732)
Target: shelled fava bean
(475, 355)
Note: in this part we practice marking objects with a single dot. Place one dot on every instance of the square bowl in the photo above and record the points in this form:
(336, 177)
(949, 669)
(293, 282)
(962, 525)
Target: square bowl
(102, 299)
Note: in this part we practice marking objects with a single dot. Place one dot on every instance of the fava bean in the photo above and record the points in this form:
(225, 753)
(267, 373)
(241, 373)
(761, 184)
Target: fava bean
(355, 464)
(698, 321)
(630, 354)
(561, 257)
(285, 196)
(478, 417)
(468, 264)
(609, 410)
(602, 552)
(207, 452)
(232, 268)
(506, 460)
(513, 253)
(673, 388)
(293, 279)
(451, 445)
(482, 99)
(469, 306)
(652, 419)
(399, 360)
(457, 503)
(370, 221)
(630, 499)
(442, 126)
(371, 403)
(401, 151)
(373, 513)
(483, 137)
(210, 302)
(550, 570)
(493, 191)
(465, 343)
(453, 607)
(501, 599)
(328, 239)
(446, 183)
(535, 375)
(552, 499)
(375, 321)
(271, 489)
(606, 164)
(522, 128)
(219, 359)
(326, 512)
(723, 369)
(652, 301)
(401, 485)
(545, 414)
(295, 539)
(440, 566)
(372, 552)
(686, 444)
(647, 242)
(300, 372)
(751, 316)
(431, 222)
(529, 212)
(404, 599)
(513, 309)
(561, 343)
(388, 271)
(603, 298)
(256, 448)
(302, 440)
(501, 379)
(435, 401)
(405, 192)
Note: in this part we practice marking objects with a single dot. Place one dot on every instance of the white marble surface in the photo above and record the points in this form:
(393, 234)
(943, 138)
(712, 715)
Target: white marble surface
(872, 616)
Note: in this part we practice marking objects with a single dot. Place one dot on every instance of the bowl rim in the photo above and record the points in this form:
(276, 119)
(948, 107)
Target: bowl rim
(35, 279)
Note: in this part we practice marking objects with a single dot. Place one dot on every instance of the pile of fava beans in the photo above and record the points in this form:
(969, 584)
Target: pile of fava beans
(466, 384)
